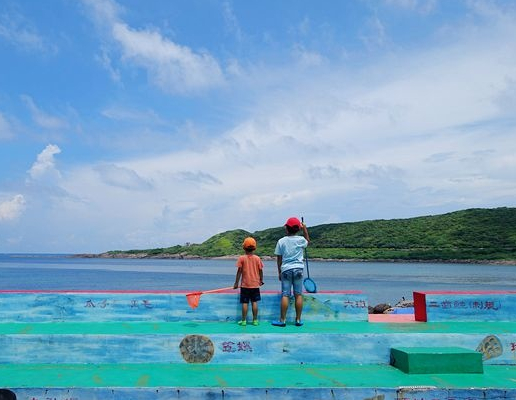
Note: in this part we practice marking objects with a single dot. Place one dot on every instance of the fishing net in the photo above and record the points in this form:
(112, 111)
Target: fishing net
(193, 299)
(310, 285)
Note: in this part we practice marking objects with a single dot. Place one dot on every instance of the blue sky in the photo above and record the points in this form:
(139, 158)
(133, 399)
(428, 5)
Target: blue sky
(137, 124)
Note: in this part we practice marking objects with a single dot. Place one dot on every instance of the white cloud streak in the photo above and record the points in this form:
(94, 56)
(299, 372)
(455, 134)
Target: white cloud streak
(43, 119)
(172, 67)
(44, 168)
(104, 60)
(232, 24)
(421, 6)
(17, 30)
(307, 58)
(12, 209)
(122, 177)
(6, 130)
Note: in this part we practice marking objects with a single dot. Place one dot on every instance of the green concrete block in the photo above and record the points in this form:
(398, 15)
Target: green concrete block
(437, 360)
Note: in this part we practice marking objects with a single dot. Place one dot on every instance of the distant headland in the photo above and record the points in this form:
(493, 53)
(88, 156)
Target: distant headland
(473, 235)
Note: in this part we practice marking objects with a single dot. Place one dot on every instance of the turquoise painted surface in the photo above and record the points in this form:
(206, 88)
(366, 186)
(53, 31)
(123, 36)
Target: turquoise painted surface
(110, 306)
(470, 307)
(155, 381)
(246, 348)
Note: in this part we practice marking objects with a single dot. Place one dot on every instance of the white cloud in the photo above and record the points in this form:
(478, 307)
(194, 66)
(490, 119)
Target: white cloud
(122, 177)
(307, 58)
(506, 101)
(104, 60)
(172, 67)
(374, 34)
(421, 6)
(118, 113)
(17, 30)
(6, 130)
(12, 209)
(232, 24)
(199, 177)
(412, 134)
(42, 118)
(44, 168)
(104, 11)
(324, 172)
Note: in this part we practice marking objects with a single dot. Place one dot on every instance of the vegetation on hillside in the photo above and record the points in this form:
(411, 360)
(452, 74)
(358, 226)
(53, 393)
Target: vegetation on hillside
(474, 234)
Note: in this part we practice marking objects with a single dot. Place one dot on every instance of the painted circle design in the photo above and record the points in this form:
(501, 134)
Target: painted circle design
(197, 349)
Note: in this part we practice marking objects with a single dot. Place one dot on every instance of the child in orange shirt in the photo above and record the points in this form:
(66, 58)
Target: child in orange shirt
(250, 271)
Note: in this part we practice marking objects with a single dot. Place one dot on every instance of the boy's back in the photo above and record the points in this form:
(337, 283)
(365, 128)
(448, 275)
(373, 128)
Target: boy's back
(251, 265)
(291, 249)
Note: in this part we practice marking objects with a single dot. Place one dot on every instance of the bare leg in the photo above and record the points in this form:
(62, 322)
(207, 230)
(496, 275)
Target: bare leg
(284, 308)
(299, 306)
(244, 311)
(255, 310)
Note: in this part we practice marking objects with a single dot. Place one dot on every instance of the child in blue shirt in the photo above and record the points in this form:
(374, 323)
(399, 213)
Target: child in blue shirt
(289, 258)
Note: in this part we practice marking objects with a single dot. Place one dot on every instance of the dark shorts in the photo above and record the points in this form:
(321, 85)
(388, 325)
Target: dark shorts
(248, 294)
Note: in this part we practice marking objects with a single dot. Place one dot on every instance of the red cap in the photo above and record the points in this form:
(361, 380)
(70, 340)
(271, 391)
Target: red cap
(292, 222)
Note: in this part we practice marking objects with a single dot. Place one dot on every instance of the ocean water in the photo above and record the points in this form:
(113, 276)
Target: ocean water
(381, 282)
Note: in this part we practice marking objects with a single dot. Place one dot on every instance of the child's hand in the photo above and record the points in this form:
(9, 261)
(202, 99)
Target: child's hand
(261, 283)
(235, 286)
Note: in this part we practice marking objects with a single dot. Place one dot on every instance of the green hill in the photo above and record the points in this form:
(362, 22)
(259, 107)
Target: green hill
(474, 234)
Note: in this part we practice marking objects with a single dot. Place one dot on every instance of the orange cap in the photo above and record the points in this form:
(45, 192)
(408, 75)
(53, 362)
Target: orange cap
(249, 244)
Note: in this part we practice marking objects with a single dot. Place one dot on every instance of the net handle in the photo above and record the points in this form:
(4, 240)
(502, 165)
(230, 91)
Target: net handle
(216, 290)
(306, 255)
(308, 283)
(194, 297)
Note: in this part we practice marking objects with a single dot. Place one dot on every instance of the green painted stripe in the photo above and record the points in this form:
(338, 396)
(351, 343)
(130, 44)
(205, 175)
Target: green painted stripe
(246, 376)
(265, 327)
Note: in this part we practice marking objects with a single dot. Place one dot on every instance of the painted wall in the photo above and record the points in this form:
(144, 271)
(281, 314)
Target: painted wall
(465, 306)
(169, 307)
(245, 348)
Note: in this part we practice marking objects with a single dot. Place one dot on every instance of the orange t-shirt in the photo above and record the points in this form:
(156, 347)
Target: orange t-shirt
(251, 265)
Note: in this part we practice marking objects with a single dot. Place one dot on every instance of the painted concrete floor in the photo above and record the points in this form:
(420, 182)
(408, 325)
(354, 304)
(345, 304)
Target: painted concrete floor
(184, 375)
(232, 376)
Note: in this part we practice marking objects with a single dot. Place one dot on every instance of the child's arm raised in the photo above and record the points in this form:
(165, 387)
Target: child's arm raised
(305, 232)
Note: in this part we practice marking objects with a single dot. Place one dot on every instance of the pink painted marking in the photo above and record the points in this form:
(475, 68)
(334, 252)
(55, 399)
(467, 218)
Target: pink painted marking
(392, 318)
(95, 291)
(229, 291)
(467, 292)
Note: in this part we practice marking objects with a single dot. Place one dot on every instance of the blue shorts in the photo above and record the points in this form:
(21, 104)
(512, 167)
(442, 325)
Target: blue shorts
(249, 295)
(292, 278)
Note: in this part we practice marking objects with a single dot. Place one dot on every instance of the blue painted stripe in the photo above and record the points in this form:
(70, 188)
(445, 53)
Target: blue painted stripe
(401, 393)
(470, 307)
(245, 348)
(168, 307)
